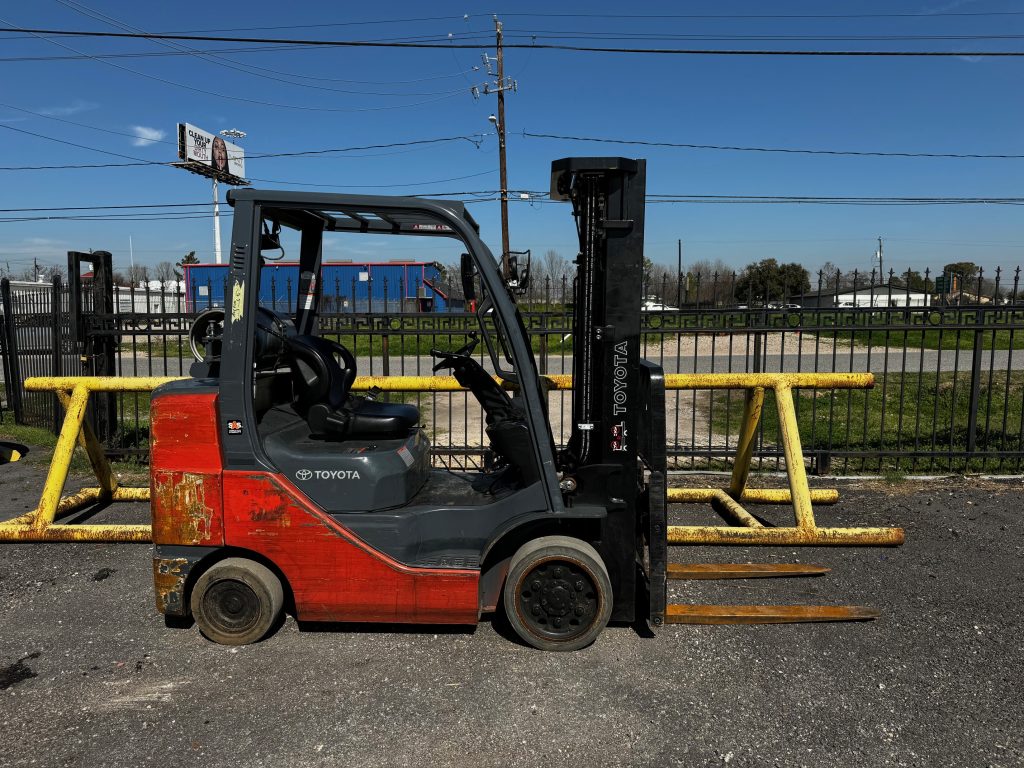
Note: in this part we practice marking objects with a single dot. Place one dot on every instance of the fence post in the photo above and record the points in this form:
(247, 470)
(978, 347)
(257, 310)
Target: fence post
(14, 377)
(972, 408)
(55, 337)
(102, 344)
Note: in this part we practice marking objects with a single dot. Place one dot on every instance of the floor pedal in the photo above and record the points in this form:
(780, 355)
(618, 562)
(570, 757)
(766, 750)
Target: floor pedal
(741, 570)
(765, 614)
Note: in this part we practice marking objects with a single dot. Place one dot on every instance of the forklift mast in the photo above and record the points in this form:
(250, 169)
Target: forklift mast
(607, 196)
(612, 396)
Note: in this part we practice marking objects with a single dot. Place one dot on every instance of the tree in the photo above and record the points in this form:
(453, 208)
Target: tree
(556, 267)
(767, 280)
(706, 282)
(165, 273)
(967, 272)
(914, 281)
(830, 276)
(189, 258)
(138, 274)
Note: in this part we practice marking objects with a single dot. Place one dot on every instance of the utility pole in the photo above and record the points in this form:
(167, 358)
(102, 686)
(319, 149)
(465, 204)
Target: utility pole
(499, 85)
(679, 275)
(881, 272)
(501, 151)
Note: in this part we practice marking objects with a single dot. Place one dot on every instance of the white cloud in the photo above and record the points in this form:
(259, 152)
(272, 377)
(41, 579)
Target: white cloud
(78, 105)
(145, 136)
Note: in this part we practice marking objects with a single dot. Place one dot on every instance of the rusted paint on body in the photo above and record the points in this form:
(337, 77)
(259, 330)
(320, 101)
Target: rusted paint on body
(185, 479)
(169, 575)
(186, 508)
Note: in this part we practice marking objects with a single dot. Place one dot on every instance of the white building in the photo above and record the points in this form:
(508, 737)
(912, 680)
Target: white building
(882, 297)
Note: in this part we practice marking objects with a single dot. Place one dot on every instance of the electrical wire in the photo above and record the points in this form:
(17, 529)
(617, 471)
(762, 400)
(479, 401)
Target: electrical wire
(442, 45)
(249, 49)
(103, 207)
(261, 72)
(475, 139)
(786, 150)
(138, 160)
(229, 97)
(745, 16)
(86, 125)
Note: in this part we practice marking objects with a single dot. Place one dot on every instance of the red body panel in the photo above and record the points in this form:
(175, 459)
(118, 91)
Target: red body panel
(185, 471)
(333, 575)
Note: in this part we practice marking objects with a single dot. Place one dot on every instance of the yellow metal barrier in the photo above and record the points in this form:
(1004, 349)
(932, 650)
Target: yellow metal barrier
(39, 524)
(744, 528)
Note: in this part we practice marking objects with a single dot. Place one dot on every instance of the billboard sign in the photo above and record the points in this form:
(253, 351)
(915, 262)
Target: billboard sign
(210, 155)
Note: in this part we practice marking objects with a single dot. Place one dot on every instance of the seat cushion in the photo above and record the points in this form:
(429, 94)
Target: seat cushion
(370, 418)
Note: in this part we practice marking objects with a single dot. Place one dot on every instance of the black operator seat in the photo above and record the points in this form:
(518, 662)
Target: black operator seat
(322, 394)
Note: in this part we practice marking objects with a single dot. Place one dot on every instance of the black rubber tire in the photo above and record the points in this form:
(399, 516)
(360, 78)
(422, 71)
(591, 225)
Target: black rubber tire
(237, 601)
(571, 616)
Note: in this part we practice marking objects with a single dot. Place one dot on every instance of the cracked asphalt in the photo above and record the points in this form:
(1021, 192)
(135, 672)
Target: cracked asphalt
(90, 676)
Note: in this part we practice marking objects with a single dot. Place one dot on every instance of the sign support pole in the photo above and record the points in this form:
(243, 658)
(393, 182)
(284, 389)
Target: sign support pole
(216, 222)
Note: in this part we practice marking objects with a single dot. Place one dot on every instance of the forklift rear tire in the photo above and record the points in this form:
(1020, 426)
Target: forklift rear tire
(237, 601)
(558, 596)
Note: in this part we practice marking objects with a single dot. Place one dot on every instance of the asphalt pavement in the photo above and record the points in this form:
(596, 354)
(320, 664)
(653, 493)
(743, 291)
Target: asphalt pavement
(90, 676)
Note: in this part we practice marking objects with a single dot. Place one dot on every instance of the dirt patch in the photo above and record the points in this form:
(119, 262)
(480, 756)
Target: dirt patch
(18, 672)
(103, 573)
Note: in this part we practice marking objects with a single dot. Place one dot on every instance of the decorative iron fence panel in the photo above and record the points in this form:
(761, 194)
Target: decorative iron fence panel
(949, 370)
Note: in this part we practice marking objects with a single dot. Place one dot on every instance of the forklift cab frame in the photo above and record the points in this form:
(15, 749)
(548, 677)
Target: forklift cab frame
(312, 214)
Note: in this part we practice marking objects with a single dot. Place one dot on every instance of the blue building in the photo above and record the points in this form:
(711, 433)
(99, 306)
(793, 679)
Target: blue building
(345, 286)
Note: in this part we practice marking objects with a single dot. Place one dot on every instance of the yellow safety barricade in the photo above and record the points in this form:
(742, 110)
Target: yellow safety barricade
(743, 529)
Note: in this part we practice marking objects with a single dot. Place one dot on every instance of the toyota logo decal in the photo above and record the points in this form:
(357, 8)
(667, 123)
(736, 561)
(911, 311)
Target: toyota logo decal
(304, 474)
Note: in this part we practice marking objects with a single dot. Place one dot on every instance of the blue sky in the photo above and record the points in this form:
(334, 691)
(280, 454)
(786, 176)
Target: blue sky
(957, 105)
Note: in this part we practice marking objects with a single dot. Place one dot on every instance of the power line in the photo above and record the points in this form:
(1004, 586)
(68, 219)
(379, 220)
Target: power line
(262, 72)
(744, 16)
(108, 217)
(475, 139)
(104, 207)
(86, 125)
(786, 150)
(138, 160)
(227, 96)
(553, 34)
(441, 46)
(248, 49)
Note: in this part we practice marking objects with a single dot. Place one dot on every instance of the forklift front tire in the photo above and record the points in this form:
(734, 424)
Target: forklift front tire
(558, 596)
(237, 601)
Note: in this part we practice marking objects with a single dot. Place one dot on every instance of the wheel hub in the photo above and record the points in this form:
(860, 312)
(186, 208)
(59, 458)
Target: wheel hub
(232, 605)
(558, 599)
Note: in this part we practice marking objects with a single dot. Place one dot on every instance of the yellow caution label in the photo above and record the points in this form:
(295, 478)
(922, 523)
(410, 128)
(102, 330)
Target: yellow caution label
(237, 301)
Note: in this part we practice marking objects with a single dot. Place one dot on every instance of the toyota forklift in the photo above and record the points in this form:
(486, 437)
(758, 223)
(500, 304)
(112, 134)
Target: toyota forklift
(275, 486)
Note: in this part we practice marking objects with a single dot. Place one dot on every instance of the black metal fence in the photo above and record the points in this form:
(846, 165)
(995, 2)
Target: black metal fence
(949, 366)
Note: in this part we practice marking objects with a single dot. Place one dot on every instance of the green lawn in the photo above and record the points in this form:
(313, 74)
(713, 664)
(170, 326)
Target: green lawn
(896, 416)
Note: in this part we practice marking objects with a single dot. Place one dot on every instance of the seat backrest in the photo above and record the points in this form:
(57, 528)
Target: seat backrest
(317, 377)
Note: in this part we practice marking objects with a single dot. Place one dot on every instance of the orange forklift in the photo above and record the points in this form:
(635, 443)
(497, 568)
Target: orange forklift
(275, 487)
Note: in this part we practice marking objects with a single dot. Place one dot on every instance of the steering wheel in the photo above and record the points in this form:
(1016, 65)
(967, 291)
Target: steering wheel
(451, 359)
